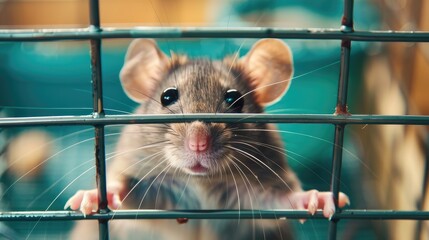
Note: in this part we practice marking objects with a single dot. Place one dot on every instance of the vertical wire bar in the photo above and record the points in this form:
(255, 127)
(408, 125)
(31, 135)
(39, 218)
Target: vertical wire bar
(421, 203)
(97, 91)
(341, 109)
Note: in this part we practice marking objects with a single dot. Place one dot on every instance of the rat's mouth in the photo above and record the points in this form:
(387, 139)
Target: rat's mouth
(198, 169)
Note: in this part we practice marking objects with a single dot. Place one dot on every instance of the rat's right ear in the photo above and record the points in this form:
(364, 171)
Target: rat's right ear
(270, 66)
(144, 67)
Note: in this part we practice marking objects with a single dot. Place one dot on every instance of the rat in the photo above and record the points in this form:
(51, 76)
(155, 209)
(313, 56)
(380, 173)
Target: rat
(203, 165)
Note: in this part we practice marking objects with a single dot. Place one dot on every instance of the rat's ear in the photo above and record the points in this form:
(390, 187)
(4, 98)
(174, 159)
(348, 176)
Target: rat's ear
(143, 69)
(269, 64)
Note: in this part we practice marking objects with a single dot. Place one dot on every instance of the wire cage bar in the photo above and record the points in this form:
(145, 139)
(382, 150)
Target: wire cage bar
(341, 109)
(212, 32)
(210, 214)
(90, 120)
(95, 34)
(98, 112)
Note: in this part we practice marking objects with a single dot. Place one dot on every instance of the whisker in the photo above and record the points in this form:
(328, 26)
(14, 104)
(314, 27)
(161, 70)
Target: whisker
(226, 180)
(53, 155)
(160, 184)
(290, 110)
(44, 108)
(245, 178)
(184, 189)
(250, 170)
(177, 83)
(91, 161)
(238, 194)
(153, 99)
(75, 179)
(64, 108)
(255, 159)
(283, 81)
(40, 164)
(354, 156)
(281, 151)
(51, 142)
(40, 195)
(151, 184)
(68, 185)
(141, 179)
(250, 156)
(105, 97)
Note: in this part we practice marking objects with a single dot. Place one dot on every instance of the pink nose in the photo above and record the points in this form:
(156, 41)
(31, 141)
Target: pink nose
(198, 142)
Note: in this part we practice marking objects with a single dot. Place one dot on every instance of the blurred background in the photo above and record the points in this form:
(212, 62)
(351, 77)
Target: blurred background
(384, 166)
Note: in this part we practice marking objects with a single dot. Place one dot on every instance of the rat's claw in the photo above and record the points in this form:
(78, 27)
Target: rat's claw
(343, 200)
(116, 201)
(68, 204)
(89, 202)
(313, 202)
(329, 208)
(74, 202)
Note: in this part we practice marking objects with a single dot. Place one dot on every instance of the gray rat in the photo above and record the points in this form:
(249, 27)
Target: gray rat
(203, 165)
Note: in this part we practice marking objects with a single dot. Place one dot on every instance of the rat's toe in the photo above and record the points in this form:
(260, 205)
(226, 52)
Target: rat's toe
(313, 202)
(89, 202)
(329, 207)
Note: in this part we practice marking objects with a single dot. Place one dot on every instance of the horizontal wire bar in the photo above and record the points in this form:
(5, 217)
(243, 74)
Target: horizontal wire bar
(212, 214)
(210, 32)
(236, 118)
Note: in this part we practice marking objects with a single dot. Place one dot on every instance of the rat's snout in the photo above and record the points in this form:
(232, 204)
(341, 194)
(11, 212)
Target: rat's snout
(197, 147)
(198, 142)
(198, 137)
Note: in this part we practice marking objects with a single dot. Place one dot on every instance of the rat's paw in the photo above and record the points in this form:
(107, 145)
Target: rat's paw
(313, 200)
(87, 201)
(84, 200)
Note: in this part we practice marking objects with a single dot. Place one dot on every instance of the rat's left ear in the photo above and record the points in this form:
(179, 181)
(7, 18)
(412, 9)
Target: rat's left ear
(269, 64)
(144, 67)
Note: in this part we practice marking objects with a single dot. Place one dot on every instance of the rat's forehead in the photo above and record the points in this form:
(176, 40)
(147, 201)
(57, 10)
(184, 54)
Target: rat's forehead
(202, 73)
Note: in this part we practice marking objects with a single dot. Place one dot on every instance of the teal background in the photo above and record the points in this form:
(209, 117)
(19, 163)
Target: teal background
(54, 78)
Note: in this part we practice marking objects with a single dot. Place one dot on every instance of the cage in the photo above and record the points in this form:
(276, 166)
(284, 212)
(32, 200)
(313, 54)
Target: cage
(337, 37)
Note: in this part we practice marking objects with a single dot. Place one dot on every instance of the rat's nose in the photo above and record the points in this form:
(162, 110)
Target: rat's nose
(199, 142)
(198, 139)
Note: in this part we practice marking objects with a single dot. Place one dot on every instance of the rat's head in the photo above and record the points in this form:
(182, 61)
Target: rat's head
(179, 85)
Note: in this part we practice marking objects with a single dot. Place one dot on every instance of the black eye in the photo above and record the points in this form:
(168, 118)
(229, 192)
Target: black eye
(169, 96)
(234, 100)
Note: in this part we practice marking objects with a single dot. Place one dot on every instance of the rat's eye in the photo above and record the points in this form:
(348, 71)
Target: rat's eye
(169, 96)
(234, 100)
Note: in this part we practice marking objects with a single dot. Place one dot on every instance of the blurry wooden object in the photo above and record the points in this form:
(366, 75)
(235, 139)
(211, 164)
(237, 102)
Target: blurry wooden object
(27, 152)
(420, 82)
(396, 83)
(409, 61)
(49, 13)
(394, 154)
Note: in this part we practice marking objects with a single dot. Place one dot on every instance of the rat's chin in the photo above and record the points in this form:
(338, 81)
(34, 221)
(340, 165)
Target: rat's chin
(197, 169)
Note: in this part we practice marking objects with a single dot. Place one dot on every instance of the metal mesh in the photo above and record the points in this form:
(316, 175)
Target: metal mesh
(94, 33)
